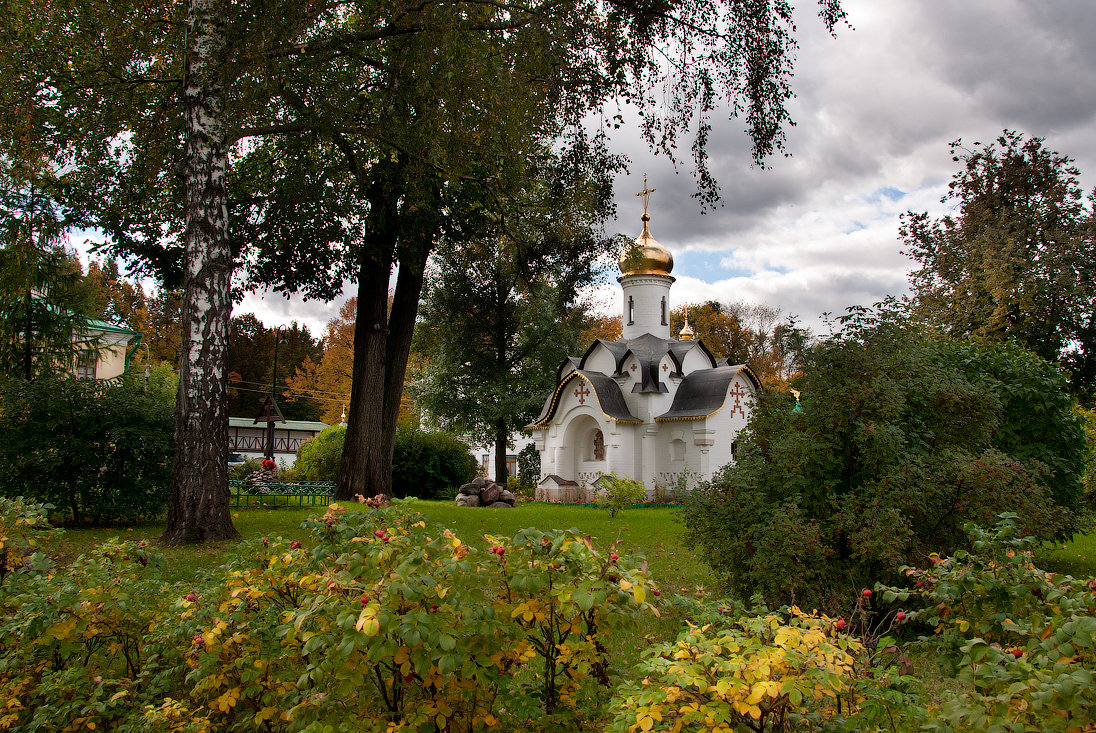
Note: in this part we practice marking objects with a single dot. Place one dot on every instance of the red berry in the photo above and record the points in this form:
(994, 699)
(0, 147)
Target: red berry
(614, 557)
(1017, 653)
(866, 593)
(191, 597)
(656, 592)
(199, 640)
(839, 624)
(364, 600)
(900, 616)
(379, 533)
(295, 545)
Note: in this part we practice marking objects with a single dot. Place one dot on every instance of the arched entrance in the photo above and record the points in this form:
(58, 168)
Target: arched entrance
(585, 441)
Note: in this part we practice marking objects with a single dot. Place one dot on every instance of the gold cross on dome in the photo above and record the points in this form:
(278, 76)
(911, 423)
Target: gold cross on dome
(646, 193)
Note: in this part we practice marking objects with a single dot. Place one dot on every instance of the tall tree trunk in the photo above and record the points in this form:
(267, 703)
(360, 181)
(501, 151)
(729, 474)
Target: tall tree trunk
(401, 328)
(382, 344)
(361, 470)
(199, 500)
(501, 436)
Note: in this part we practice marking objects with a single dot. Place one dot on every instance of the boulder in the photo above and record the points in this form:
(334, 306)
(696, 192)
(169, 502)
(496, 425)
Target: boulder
(470, 490)
(480, 481)
(489, 494)
(507, 496)
(467, 500)
(501, 505)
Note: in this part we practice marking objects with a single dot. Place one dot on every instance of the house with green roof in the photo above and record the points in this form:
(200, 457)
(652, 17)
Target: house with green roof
(109, 349)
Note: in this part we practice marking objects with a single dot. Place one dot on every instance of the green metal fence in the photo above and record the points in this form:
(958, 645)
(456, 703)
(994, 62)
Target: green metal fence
(281, 493)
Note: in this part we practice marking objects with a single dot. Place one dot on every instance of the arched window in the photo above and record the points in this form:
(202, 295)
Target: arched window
(599, 446)
(677, 449)
(631, 311)
(664, 312)
(734, 450)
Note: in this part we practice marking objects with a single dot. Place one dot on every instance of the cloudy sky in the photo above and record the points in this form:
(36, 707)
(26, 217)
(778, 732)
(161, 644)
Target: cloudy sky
(875, 110)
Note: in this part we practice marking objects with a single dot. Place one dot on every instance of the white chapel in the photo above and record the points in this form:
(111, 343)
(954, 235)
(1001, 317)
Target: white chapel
(649, 406)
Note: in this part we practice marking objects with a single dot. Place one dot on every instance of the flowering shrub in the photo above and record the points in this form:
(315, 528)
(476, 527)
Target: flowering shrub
(23, 527)
(1022, 637)
(762, 673)
(82, 646)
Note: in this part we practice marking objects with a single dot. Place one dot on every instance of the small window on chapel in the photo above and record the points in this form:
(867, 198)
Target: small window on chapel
(599, 446)
(664, 312)
(734, 450)
(631, 311)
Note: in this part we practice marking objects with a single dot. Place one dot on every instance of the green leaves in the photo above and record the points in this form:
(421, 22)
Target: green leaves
(95, 451)
(901, 440)
(1015, 262)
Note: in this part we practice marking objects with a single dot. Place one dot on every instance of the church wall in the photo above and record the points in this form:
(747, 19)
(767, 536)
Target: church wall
(601, 360)
(730, 420)
(695, 359)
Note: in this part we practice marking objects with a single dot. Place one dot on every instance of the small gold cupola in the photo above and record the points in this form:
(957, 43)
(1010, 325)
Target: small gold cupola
(686, 332)
(646, 256)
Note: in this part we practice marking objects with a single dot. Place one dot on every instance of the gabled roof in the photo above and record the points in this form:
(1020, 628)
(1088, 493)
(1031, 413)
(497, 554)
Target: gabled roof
(248, 422)
(703, 392)
(96, 324)
(609, 399)
(648, 351)
(570, 361)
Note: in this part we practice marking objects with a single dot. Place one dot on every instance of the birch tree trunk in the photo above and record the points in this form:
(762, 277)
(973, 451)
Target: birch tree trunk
(199, 502)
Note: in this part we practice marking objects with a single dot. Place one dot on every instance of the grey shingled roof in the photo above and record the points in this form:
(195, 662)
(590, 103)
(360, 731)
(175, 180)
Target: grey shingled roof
(703, 392)
(606, 391)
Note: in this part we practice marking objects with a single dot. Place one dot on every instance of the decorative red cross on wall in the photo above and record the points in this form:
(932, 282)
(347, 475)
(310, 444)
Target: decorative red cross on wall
(634, 367)
(664, 367)
(738, 394)
(581, 393)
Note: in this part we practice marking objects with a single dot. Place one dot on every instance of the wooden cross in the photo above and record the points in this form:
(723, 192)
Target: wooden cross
(738, 394)
(646, 193)
(634, 366)
(664, 367)
(581, 393)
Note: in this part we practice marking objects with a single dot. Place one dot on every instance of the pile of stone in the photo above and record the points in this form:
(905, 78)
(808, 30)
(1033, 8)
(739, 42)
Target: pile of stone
(485, 492)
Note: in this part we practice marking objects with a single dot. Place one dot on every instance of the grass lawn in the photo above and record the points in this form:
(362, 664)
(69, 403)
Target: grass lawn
(654, 533)
(1076, 557)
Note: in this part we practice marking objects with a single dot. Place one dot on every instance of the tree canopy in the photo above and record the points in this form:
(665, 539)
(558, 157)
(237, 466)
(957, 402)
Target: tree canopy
(417, 117)
(1018, 258)
(899, 441)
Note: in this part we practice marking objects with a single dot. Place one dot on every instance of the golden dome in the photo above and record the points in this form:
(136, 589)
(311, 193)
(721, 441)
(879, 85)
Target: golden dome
(646, 256)
(687, 332)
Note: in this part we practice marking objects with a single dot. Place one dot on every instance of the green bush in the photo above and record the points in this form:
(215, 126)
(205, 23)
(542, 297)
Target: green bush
(430, 465)
(379, 622)
(95, 451)
(529, 466)
(426, 465)
(318, 458)
(779, 671)
(241, 471)
(901, 440)
(1022, 638)
(617, 492)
